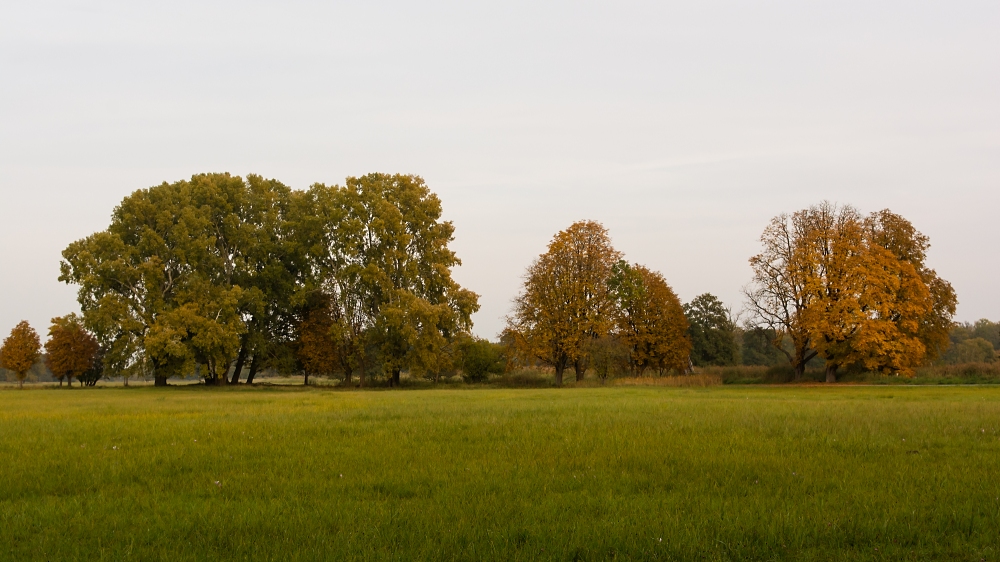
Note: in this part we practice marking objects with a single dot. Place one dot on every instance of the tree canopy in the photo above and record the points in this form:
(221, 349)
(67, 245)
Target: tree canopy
(209, 271)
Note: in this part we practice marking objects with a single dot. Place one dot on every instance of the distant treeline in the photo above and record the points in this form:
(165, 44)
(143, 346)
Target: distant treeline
(224, 277)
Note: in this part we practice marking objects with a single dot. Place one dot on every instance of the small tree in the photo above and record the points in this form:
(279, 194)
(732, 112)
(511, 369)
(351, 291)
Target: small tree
(480, 358)
(20, 351)
(96, 370)
(71, 349)
(609, 357)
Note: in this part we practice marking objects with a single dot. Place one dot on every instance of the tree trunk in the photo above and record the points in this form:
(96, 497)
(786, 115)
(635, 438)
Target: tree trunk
(347, 377)
(159, 381)
(800, 371)
(20, 384)
(254, 365)
(559, 373)
(581, 369)
(395, 378)
(126, 380)
(240, 359)
(306, 373)
(831, 372)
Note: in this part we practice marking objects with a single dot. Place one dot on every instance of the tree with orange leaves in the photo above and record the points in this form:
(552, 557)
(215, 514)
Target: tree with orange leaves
(20, 351)
(649, 319)
(850, 289)
(71, 349)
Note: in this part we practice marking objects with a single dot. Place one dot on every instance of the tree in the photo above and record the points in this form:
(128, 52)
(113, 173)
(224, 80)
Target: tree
(899, 237)
(381, 253)
(758, 347)
(188, 273)
(649, 319)
(479, 358)
(565, 302)
(609, 357)
(316, 348)
(777, 296)
(20, 351)
(70, 351)
(712, 332)
(852, 289)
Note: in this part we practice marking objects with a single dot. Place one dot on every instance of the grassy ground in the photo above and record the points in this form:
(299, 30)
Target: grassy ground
(720, 473)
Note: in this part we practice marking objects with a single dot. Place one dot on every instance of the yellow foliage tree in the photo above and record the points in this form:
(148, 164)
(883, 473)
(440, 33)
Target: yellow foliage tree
(565, 301)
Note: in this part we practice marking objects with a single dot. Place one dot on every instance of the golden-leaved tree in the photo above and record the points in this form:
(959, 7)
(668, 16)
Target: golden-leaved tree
(565, 303)
(849, 288)
(649, 319)
(20, 351)
(71, 350)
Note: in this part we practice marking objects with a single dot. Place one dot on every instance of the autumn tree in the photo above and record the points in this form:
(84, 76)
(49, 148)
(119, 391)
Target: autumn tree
(712, 332)
(899, 237)
(565, 301)
(852, 289)
(777, 297)
(649, 319)
(71, 351)
(20, 351)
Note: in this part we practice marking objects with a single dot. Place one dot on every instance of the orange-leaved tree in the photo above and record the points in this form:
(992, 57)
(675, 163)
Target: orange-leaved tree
(71, 350)
(649, 319)
(898, 236)
(20, 351)
(565, 302)
(851, 289)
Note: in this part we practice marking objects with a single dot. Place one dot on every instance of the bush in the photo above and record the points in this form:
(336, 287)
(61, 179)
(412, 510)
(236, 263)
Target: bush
(480, 358)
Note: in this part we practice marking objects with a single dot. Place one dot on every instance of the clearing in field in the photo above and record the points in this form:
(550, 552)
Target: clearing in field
(596, 473)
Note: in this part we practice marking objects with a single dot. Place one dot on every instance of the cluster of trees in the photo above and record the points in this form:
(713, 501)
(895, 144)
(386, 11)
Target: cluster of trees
(852, 289)
(582, 305)
(71, 352)
(220, 275)
(973, 343)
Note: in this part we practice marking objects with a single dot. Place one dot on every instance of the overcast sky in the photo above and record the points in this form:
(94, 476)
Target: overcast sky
(683, 127)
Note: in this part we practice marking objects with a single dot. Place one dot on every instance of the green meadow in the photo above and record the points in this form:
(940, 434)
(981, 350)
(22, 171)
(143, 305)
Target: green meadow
(627, 473)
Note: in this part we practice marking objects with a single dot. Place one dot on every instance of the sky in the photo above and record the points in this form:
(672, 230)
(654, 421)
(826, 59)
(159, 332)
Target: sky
(683, 127)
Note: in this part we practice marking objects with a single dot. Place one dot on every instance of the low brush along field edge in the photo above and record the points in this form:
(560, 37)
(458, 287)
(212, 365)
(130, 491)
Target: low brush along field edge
(613, 472)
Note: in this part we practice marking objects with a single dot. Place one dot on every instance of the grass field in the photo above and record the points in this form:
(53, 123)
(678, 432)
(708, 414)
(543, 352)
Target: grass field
(720, 473)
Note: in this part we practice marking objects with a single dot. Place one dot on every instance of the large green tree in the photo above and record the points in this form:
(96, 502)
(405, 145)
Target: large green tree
(380, 251)
(182, 275)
